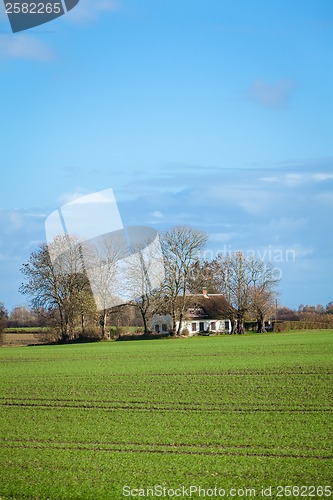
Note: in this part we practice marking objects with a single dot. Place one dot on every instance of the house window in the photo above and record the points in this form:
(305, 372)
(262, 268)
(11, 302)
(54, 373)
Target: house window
(201, 326)
(213, 326)
(164, 327)
(194, 327)
(227, 325)
(195, 311)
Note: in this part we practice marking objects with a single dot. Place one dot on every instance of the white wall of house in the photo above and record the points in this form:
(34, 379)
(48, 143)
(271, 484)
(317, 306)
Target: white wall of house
(163, 323)
(210, 325)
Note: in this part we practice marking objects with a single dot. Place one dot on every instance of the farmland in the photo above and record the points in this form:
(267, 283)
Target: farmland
(82, 421)
(14, 337)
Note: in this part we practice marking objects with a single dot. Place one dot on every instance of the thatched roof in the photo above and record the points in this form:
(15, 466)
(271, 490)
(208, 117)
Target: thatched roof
(206, 306)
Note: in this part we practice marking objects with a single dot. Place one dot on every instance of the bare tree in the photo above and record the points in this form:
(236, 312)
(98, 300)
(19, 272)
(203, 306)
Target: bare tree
(245, 283)
(262, 306)
(3, 312)
(181, 246)
(141, 288)
(329, 307)
(263, 290)
(233, 281)
(21, 316)
(54, 279)
(144, 275)
(201, 277)
(103, 261)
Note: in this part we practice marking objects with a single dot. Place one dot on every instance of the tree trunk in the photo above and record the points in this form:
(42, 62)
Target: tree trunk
(103, 323)
(261, 324)
(180, 324)
(240, 326)
(233, 326)
(63, 325)
(66, 334)
(144, 319)
(173, 316)
(83, 323)
(181, 313)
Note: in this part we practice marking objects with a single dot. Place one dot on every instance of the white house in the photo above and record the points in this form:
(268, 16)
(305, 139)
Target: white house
(205, 313)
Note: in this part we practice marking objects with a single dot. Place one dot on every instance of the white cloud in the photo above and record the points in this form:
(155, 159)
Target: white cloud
(23, 47)
(273, 178)
(296, 179)
(157, 214)
(322, 176)
(293, 179)
(276, 95)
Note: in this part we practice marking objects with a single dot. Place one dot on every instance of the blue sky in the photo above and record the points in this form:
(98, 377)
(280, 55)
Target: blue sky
(216, 114)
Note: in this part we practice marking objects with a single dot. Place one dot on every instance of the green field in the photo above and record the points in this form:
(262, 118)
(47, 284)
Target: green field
(82, 421)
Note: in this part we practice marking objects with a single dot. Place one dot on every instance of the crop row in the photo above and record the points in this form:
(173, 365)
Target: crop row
(171, 406)
(183, 449)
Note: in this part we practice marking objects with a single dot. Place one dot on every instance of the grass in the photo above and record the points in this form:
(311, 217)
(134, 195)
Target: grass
(81, 421)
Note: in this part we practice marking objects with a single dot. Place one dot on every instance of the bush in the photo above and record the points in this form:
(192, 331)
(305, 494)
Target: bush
(285, 326)
(280, 327)
(51, 336)
(121, 331)
(91, 335)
